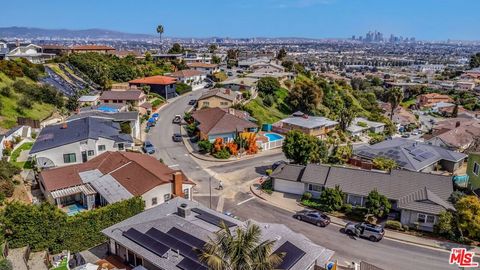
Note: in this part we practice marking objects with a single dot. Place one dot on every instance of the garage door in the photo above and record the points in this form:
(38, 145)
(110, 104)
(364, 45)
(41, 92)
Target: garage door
(289, 186)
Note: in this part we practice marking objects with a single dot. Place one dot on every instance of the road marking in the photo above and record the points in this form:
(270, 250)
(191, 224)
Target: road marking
(247, 200)
(220, 204)
(174, 165)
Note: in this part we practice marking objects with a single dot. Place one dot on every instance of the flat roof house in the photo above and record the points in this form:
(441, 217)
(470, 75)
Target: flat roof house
(217, 123)
(361, 125)
(130, 97)
(412, 155)
(112, 177)
(312, 125)
(162, 85)
(31, 52)
(78, 141)
(418, 197)
(166, 236)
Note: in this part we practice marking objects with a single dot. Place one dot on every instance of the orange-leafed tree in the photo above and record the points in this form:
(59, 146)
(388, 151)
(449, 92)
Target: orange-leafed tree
(232, 148)
(217, 145)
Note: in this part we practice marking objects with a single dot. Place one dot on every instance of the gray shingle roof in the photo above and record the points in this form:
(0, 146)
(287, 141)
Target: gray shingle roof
(408, 154)
(78, 130)
(310, 121)
(164, 217)
(119, 116)
(399, 185)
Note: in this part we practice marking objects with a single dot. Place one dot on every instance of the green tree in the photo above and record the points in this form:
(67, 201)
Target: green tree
(240, 250)
(232, 54)
(377, 204)
(347, 114)
(302, 148)
(341, 154)
(268, 85)
(446, 223)
(288, 65)
(176, 48)
(72, 103)
(394, 97)
(5, 264)
(212, 48)
(305, 96)
(468, 211)
(383, 163)
(332, 198)
(282, 53)
(160, 31)
(475, 60)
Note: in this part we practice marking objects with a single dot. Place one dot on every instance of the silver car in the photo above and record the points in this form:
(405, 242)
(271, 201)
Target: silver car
(372, 232)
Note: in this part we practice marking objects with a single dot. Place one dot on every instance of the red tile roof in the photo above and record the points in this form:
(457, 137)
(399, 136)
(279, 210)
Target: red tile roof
(92, 48)
(204, 65)
(136, 172)
(162, 80)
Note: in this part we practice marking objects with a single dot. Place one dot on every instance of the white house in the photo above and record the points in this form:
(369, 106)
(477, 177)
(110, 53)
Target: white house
(112, 177)
(31, 52)
(194, 78)
(206, 68)
(361, 125)
(77, 141)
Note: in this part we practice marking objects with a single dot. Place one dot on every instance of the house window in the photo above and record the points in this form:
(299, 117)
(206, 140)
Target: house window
(355, 200)
(69, 158)
(206, 103)
(166, 197)
(424, 218)
(101, 147)
(476, 168)
(315, 188)
(121, 146)
(154, 201)
(91, 152)
(186, 194)
(224, 103)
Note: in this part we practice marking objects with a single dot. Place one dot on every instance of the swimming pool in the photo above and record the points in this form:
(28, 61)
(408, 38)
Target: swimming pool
(74, 209)
(273, 137)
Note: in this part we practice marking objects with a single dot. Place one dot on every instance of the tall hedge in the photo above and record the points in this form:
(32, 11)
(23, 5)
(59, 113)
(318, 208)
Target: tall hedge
(47, 227)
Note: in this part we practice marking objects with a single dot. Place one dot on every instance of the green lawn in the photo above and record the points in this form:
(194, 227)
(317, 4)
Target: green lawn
(271, 114)
(16, 154)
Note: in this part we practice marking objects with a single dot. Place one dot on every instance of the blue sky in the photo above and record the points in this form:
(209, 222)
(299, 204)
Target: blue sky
(424, 19)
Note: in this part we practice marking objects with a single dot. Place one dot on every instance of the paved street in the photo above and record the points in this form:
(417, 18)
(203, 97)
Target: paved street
(236, 198)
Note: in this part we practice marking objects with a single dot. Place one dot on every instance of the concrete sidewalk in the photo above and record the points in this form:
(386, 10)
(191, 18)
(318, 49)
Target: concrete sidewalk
(292, 204)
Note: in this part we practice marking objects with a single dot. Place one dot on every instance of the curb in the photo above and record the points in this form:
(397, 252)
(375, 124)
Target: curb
(342, 225)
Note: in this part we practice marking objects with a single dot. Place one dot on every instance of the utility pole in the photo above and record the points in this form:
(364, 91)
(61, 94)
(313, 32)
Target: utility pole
(210, 190)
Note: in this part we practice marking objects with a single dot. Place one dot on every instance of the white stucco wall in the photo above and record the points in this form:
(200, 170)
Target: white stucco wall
(160, 191)
(56, 154)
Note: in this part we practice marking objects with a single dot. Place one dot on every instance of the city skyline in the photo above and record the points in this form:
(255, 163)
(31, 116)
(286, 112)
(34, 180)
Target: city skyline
(267, 18)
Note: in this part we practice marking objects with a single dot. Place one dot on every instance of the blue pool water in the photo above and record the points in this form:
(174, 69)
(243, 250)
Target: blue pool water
(273, 137)
(75, 209)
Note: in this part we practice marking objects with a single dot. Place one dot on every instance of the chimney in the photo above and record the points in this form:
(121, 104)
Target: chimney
(177, 184)
(457, 124)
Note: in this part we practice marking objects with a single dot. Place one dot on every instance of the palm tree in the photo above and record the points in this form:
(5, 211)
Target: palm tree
(394, 97)
(160, 31)
(240, 250)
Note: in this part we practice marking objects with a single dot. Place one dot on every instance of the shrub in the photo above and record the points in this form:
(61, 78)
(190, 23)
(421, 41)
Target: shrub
(268, 171)
(406, 228)
(358, 213)
(307, 196)
(222, 154)
(34, 135)
(25, 102)
(6, 187)
(6, 91)
(5, 264)
(268, 100)
(125, 128)
(205, 146)
(182, 88)
(267, 185)
(347, 208)
(7, 152)
(332, 198)
(156, 103)
(191, 128)
(394, 224)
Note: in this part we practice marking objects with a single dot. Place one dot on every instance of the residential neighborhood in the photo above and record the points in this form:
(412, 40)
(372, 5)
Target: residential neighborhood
(180, 138)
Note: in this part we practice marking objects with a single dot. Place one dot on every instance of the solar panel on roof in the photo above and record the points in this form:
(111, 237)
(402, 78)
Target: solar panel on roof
(418, 158)
(186, 237)
(146, 241)
(292, 255)
(212, 219)
(187, 264)
(416, 152)
(173, 243)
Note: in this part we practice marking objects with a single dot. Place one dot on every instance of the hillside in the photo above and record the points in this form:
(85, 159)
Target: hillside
(31, 32)
(9, 105)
